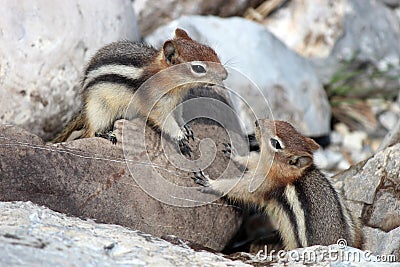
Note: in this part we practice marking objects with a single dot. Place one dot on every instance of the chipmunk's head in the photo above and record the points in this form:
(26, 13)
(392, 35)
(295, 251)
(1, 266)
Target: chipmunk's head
(202, 59)
(291, 151)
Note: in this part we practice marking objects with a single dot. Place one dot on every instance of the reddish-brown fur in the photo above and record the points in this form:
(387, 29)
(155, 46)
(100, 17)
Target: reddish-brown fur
(180, 49)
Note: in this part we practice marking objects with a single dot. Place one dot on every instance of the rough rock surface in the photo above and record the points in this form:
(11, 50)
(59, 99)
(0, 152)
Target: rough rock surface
(383, 243)
(392, 137)
(152, 14)
(31, 235)
(91, 178)
(286, 80)
(391, 3)
(365, 33)
(44, 46)
(334, 255)
(311, 28)
(372, 190)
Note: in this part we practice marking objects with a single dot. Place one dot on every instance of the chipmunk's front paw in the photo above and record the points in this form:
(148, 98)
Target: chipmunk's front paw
(108, 135)
(188, 131)
(184, 147)
(183, 140)
(228, 151)
(201, 178)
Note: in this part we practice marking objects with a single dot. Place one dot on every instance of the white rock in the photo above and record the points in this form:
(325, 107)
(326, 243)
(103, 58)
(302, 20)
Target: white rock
(310, 27)
(343, 165)
(395, 107)
(341, 128)
(336, 138)
(388, 119)
(378, 105)
(60, 240)
(327, 159)
(354, 140)
(44, 45)
(285, 79)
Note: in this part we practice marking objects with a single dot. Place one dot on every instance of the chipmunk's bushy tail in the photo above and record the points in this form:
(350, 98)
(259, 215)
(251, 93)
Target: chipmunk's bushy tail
(76, 124)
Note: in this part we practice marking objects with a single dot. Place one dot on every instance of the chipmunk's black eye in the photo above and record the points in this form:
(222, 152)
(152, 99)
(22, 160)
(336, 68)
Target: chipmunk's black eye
(198, 69)
(275, 143)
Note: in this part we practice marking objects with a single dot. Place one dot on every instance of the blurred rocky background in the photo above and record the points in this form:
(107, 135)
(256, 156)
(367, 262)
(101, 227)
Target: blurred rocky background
(330, 67)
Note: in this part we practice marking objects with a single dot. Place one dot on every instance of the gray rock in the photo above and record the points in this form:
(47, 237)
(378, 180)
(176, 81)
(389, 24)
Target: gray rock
(362, 185)
(382, 243)
(393, 137)
(286, 80)
(388, 119)
(371, 188)
(364, 33)
(142, 183)
(43, 49)
(335, 255)
(357, 156)
(391, 3)
(152, 14)
(355, 207)
(31, 235)
(309, 27)
(385, 212)
(371, 34)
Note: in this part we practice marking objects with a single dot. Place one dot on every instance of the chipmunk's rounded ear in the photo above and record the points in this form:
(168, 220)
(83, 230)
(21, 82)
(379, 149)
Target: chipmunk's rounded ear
(170, 52)
(301, 161)
(179, 33)
(312, 144)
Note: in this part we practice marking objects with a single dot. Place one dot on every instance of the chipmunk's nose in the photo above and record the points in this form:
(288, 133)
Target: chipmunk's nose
(224, 74)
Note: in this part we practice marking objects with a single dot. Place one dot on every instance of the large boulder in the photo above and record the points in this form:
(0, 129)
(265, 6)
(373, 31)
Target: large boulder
(136, 183)
(289, 83)
(371, 189)
(31, 235)
(44, 45)
(152, 14)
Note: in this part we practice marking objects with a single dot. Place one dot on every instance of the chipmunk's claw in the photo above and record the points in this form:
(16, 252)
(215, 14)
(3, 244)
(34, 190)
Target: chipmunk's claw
(184, 147)
(201, 178)
(108, 135)
(188, 132)
(227, 150)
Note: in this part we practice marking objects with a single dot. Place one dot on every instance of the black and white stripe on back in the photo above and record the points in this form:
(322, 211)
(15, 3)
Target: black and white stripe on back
(119, 63)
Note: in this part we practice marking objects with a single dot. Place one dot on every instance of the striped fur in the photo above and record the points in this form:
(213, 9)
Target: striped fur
(116, 72)
(303, 203)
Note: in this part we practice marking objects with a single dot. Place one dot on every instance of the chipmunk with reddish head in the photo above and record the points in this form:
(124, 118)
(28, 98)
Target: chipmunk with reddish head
(307, 209)
(118, 70)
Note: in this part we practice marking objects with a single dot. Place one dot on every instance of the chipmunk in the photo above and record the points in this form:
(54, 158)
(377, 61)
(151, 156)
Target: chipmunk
(307, 209)
(117, 70)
